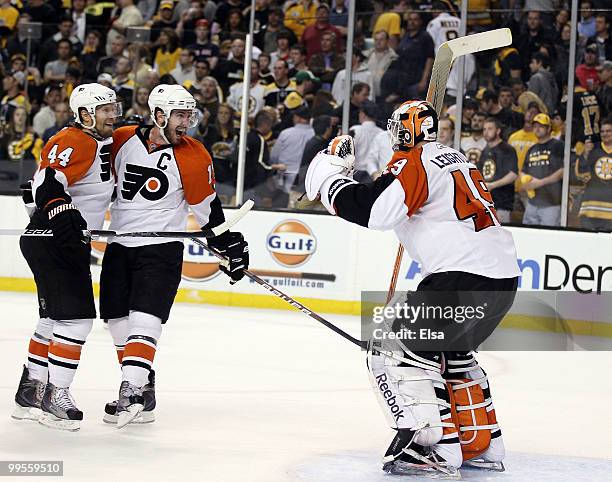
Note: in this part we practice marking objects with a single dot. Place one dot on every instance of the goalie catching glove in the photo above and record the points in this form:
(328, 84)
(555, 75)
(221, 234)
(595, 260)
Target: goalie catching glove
(236, 251)
(330, 170)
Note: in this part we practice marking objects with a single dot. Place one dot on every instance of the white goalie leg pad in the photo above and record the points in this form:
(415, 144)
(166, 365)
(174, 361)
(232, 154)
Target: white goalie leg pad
(407, 394)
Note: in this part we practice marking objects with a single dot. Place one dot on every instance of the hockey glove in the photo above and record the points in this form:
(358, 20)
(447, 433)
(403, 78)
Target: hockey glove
(344, 148)
(326, 175)
(66, 222)
(233, 246)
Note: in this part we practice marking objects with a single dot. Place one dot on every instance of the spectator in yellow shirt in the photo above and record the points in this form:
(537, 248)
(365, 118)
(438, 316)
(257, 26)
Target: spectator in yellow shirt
(524, 138)
(300, 15)
(391, 22)
(168, 52)
(9, 16)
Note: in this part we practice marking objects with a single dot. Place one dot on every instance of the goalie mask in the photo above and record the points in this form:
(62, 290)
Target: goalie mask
(412, 122)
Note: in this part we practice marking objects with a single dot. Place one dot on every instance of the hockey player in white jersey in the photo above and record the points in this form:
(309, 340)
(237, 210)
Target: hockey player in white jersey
(161, 174)
(439, 207)
(71, 191)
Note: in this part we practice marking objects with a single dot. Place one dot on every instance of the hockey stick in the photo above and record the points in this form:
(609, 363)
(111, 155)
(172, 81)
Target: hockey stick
(100, 233)
(446, 55)
(286, 298)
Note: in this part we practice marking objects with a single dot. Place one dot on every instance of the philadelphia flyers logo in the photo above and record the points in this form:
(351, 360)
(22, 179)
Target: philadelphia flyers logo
(152, 184)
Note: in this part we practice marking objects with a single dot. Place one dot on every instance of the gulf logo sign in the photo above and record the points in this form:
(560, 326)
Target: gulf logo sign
(198, 264)
(291, 243)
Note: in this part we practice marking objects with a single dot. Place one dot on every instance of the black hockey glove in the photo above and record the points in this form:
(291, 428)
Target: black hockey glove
(233, 246)
(26, 193)
(66, 222)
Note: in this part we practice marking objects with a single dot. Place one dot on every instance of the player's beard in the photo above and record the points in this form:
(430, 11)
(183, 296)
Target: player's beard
(173, 136)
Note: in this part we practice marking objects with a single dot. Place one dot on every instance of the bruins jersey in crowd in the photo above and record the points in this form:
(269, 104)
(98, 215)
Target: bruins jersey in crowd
(597, 197)
(586, 116)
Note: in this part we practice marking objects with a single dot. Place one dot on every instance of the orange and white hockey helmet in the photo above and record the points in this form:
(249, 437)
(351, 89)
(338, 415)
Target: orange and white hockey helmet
(412, 122)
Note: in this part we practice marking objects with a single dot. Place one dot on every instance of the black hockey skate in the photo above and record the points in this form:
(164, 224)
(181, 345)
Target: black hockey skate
(28, 397)
(59, 409)
(147, 415)
(422, 462)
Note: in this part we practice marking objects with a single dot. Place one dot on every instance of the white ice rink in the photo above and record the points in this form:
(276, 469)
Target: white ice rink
(256, 395)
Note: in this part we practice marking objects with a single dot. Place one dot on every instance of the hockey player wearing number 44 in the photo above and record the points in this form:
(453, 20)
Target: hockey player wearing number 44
(439, 207)
(70, 191)
(161, 174)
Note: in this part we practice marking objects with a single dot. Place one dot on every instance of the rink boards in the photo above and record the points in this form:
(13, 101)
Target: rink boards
(326, 263)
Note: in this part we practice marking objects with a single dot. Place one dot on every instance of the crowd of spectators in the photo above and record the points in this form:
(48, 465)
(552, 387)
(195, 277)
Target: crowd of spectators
(512, 122)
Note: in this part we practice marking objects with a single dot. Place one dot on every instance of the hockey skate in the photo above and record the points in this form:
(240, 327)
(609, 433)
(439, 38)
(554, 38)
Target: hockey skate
(146, 416)
(28, 397)
(480, 464)
(427, 464)
(130, 403)
(59, 410)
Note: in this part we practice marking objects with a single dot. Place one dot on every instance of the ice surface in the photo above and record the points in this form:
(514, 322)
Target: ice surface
(258, 395)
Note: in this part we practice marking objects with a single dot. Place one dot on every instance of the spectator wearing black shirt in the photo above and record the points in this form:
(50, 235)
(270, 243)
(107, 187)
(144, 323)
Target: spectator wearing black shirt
(360, 92)
(542, 175)
(203, 47)
(257, 168)
(41, 11)
(416, 50)
(48, 50)
(166, 12)
(595, 167)
(489, 104)
(327, 63)
(277, 91)
(602, 37)
(604, 91)
(229, 72)
(265, 39)
(508, 65)
(499, 167)
(531, 38)
(234, 25)
(223, 9)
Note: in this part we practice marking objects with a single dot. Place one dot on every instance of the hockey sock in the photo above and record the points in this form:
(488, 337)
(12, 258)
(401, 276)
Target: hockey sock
(120, 329)
(145, 330)
(65, 350)
(38, 350)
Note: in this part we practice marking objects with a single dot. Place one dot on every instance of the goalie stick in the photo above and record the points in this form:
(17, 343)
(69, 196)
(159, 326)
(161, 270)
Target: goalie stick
(101, 233)
(446, 55)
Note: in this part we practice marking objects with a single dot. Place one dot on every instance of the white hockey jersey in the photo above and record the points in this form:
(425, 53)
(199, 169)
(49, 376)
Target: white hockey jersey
(156, 189)
(440, 209)
(443, 28)
(83, 165)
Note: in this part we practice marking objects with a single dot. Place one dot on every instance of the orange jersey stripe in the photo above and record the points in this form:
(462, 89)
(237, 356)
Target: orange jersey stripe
(72, 352)
(120, 355)
(413, 178)
(195, 166)
(38, 349)
(140, 350)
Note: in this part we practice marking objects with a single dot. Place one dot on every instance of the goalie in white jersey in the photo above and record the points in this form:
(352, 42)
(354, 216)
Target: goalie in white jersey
(439, 207)
(161, 174)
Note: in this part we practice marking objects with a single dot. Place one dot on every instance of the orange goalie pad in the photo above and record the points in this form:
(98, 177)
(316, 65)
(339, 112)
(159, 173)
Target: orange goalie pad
(473, 442)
